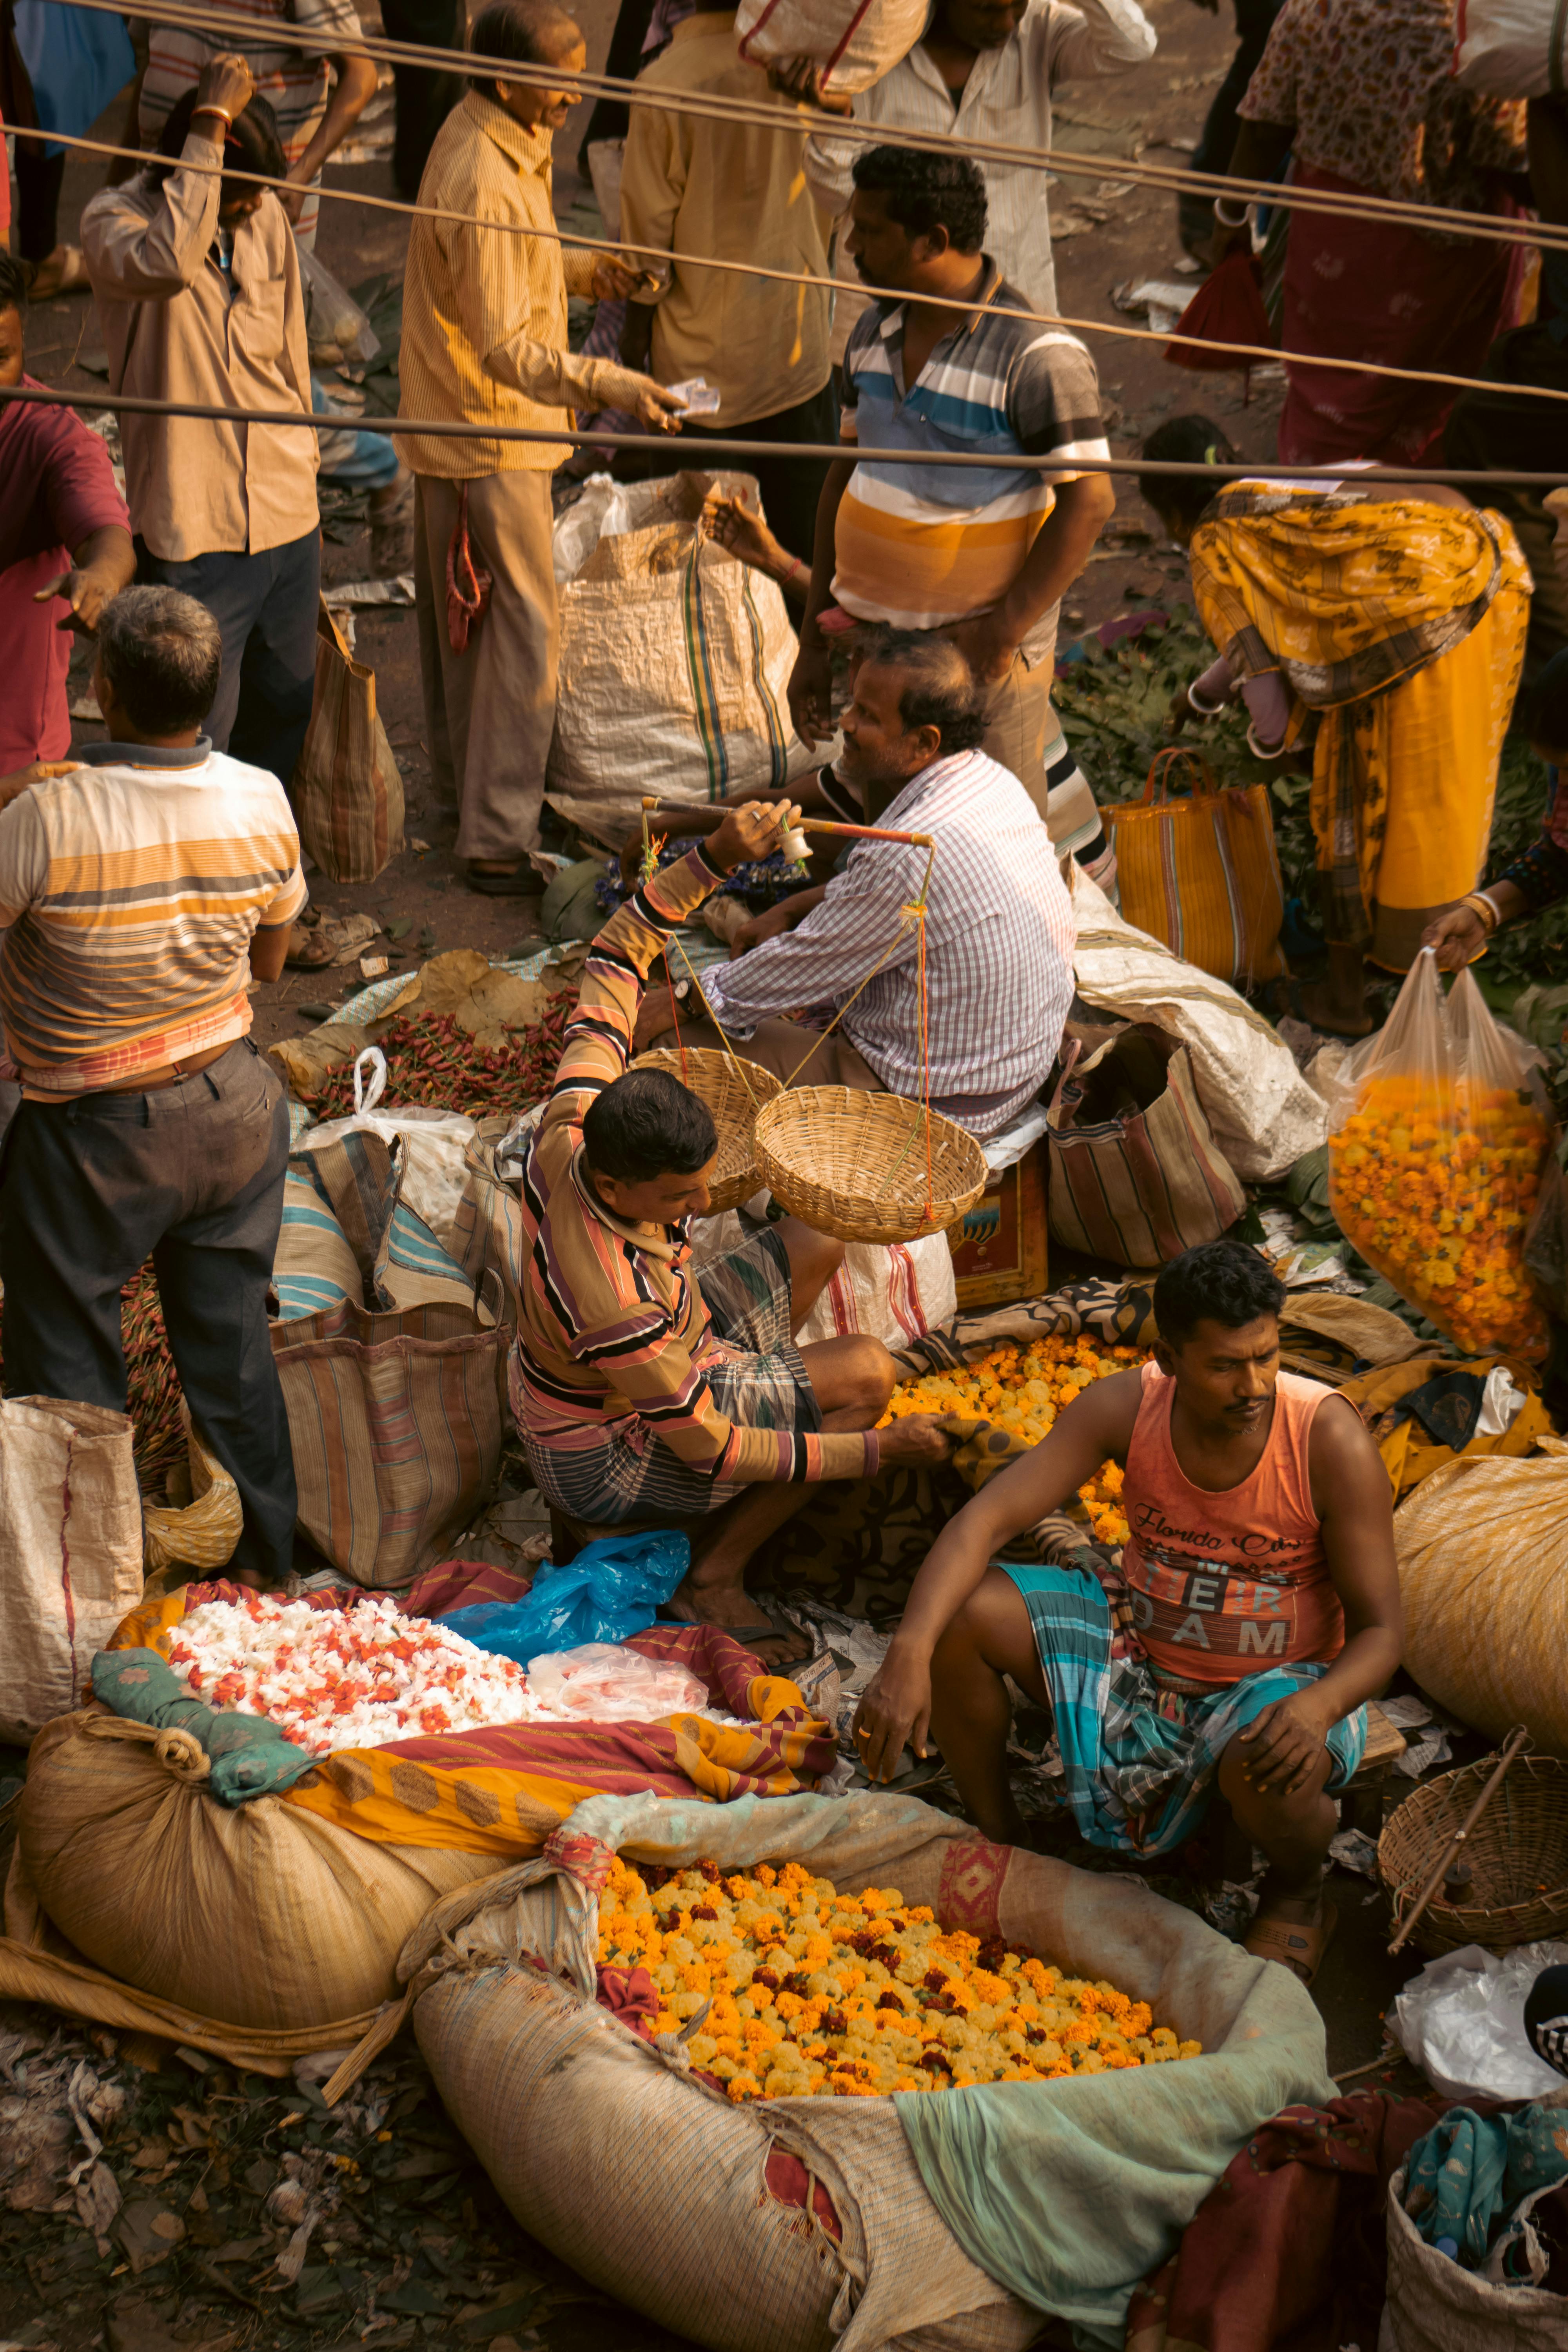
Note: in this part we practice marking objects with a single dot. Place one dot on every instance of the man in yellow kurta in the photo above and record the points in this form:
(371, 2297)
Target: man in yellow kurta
(734, 192)
(484, 341)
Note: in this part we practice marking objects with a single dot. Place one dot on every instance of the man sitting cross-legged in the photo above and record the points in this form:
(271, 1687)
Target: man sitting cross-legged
(641, 1391)
(1256, 1611)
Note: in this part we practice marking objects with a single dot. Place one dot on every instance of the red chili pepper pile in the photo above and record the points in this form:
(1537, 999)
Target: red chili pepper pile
(430, 1061)
(153, 1385)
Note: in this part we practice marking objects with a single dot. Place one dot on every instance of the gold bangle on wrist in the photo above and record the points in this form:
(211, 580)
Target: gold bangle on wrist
(1486, 908)
(222, 113)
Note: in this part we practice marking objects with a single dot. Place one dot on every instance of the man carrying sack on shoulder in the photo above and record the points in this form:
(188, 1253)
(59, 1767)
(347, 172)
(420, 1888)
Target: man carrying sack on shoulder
(139, 894)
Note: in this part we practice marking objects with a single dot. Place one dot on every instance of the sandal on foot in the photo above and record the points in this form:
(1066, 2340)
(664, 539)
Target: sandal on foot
(1298, 1945)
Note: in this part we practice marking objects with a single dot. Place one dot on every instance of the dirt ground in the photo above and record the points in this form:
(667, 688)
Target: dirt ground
(411, 2244)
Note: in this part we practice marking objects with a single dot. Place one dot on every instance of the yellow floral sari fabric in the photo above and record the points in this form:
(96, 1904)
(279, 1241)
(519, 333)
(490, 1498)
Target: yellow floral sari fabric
(1402, 623)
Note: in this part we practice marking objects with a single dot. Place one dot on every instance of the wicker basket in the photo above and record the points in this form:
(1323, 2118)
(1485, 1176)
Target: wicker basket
(717, 1081)
(854, 1164)
(1517, 1856)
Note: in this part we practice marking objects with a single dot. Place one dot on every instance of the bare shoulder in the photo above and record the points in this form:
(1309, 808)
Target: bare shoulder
(1112, 1404)
(1339, 1449)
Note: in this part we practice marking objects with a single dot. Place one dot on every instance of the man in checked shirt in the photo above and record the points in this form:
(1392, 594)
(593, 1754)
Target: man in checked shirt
(999, 925)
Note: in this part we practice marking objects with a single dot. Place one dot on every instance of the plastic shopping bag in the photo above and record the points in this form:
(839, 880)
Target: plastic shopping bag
(434, 1144)
(1437, 1161)
(600, 1682)
(612, 1589)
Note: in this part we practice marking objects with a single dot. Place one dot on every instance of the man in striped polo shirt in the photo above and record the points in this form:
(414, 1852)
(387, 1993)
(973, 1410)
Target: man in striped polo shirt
(139, 894)
(984, 554)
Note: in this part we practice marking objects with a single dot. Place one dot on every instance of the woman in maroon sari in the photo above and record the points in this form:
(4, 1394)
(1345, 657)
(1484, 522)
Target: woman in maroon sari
(1361, 92)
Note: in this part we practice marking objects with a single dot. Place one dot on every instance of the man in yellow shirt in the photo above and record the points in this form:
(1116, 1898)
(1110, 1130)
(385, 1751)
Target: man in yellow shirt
(484, 341)
(733, 192)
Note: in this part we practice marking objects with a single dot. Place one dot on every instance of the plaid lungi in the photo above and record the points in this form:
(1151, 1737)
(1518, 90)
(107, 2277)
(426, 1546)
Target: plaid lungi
(1140, 1760)
(758, 1380)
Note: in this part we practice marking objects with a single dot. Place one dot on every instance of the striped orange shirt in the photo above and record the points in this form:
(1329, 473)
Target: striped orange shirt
(612, 1324)
(129, 896)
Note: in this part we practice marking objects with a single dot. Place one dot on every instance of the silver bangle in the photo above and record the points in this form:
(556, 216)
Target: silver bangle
(1263, 750)
(1229, 220)
(1203, 710)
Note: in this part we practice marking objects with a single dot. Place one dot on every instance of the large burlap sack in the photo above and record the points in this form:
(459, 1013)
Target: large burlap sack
(70, 1552)
(396, 1422)
(1434, 2305)
(662, 2193)
(347, 789)
(1264, 1115)
(856, 42)
(1483, 1573)
(1510, 49)
(263, 1916)
(675, 659)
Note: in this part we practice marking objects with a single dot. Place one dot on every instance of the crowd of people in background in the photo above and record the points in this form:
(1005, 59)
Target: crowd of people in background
(927, 598)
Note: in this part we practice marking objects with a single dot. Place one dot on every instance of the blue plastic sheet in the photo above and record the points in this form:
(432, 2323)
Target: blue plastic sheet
(612, 1589)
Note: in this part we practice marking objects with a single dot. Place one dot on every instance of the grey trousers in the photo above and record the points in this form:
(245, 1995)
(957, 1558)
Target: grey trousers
(191, 1175)
(490, 709)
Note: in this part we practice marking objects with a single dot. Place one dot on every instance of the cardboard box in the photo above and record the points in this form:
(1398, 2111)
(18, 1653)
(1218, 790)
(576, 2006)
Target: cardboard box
(999, 1249)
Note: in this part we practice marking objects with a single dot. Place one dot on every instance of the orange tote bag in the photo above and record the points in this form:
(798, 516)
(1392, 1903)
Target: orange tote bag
(1202, 873)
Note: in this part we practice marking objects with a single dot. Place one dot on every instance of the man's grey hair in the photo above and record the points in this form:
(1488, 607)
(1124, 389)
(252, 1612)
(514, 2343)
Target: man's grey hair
(523, 32)
(939, 689)
(162, 656)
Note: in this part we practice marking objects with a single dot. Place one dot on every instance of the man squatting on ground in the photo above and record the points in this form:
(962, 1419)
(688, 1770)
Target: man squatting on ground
(1255, 1610)
(641, 1391)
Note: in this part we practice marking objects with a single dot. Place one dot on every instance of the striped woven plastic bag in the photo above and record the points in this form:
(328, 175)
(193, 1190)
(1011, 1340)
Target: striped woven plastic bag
(1203, 873)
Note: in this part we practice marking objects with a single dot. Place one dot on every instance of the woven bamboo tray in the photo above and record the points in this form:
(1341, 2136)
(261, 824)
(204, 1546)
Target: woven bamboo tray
(715, 1080)
(854, 1164)
(1517, 1856)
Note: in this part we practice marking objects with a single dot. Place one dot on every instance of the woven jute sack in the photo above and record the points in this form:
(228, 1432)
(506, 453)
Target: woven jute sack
(856, 42)
(1482, 1547)
(655, 2187)
(62, 1466)
(1434, 2305)
(264, 1916)
(347, 790)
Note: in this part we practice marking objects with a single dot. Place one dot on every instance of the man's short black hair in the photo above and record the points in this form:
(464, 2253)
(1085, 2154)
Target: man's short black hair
(646, 1124)
(250, 143)
(522, 33)
(1219, 1282)
(1191, 440)
(939, 689)
(13, 284)
(927, 191)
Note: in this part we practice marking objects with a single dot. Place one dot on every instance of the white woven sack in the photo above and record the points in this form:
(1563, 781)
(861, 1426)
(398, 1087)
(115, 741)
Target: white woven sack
(655, 2188)
(71, 1552)
(894, 1292)
(1433, 2306)
(675, 660)
(1510, 49)
(1263, 1113)
(855, 41)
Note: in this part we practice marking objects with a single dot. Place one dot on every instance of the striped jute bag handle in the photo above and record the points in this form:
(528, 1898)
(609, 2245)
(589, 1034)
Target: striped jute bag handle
(1201, 872)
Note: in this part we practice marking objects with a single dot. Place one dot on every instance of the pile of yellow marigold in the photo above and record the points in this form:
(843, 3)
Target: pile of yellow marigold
(800, 1991)
(1436, 1189)
(1021, 1390)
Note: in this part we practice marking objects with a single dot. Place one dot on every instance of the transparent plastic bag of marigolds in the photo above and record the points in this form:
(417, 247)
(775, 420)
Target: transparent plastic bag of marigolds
(1435, 1162)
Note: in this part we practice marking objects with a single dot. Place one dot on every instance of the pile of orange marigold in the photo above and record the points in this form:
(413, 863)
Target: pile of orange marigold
(1021, 1388)
(1435, 1189)
(797, 1991)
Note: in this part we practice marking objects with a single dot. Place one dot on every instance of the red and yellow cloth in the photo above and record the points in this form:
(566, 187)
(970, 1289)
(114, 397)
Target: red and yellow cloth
(502, 1790)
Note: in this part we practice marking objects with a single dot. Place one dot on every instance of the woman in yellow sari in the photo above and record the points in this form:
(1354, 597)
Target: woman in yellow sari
(1399, 622)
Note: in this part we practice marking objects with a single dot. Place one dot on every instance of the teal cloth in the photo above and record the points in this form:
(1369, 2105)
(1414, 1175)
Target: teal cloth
(250, 1757)
(1471, 2170)
(1070, 2192)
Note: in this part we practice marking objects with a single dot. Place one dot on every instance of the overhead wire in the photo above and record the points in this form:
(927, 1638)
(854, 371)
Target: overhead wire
(765, 114)
(804, 452)
(1260, 353)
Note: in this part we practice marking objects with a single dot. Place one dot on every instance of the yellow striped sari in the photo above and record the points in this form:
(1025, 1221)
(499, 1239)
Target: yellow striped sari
(1402, 624)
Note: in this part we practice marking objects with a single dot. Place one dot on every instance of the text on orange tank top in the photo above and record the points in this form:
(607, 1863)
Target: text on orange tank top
(1224, 1585)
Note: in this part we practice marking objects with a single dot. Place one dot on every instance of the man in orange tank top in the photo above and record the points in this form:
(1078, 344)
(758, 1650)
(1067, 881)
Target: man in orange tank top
(1255, 1611)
